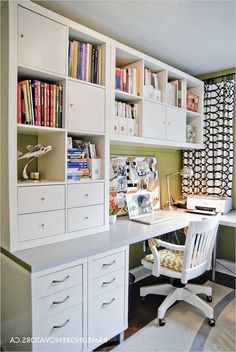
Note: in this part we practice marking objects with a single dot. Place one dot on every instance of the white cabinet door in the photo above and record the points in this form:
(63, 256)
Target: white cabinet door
(86, 107)
(42, 42)
(175, 124)
(153, 124)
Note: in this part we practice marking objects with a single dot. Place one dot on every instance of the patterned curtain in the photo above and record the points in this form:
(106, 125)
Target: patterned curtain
(213, 165)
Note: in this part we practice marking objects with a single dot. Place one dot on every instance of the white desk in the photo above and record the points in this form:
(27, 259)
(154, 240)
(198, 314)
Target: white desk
(122, 233)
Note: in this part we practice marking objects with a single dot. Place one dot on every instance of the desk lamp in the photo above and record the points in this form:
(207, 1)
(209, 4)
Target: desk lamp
(185, 172)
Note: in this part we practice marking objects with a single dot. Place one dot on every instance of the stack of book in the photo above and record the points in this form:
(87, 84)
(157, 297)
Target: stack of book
(175, 93)
(150, 78)
(127, 80)
(126, 110)
(77, 165)
(39, 103)
(85, 62)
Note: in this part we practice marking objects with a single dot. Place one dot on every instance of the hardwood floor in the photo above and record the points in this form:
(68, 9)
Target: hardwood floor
(141, 313)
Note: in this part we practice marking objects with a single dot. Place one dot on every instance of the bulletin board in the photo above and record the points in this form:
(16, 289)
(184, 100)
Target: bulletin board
(131, 174)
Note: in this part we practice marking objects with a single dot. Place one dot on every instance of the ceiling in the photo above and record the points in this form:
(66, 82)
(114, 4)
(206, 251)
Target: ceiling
(195, 36)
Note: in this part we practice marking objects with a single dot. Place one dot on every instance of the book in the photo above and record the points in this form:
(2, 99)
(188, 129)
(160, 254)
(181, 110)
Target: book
(19, 104)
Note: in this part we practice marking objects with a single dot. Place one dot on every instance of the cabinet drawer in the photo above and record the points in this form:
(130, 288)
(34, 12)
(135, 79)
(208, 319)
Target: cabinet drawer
(107, 282)
(84, 194)
(176, 124)
(107, 264)
(40, 198)
(37, 49)
(67, 324)
(58, 281)
(86, 107)
(85, 217)
(59, 301)
(33, 226)
(108, 309)
(154, 120)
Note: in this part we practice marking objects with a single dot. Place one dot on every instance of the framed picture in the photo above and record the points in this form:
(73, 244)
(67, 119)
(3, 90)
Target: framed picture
(129, 174)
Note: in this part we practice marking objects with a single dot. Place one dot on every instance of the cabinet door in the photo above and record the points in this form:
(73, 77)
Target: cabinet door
(153, 124)
(86, 107)
(175, 124)
(42, 42)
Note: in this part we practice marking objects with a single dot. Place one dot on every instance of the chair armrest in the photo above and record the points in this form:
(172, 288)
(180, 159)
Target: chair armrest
(168, 245)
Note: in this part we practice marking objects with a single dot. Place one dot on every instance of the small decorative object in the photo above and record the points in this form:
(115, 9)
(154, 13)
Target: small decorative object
(192, 102)
(190, 134)
(112, 216)
(33, 153)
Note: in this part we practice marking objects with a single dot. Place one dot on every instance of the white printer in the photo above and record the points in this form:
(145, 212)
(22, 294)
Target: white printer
(209, 204)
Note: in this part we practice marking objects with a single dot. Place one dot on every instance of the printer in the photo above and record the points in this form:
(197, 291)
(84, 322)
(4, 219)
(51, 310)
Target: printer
(209, 204)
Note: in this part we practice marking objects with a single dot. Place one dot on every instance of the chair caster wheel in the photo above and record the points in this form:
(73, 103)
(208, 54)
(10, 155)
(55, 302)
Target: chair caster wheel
(211, 322)
(162, 322)
(209, 299)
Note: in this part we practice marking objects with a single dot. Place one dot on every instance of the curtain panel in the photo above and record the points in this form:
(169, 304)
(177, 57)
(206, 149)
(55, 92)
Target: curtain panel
(213, 165)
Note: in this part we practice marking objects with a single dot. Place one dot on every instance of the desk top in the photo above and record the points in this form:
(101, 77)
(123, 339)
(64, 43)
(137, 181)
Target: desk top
(122, 233)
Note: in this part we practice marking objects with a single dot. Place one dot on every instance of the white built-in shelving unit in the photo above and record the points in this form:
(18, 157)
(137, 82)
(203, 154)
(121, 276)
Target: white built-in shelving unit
(159, 123)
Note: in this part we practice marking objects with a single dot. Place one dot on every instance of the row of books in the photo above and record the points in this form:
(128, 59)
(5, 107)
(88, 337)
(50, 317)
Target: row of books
(175, 93)
(150, 78)
(126, 80)
(85, 62)
(77, 164)
(39, 103)
(126, 110)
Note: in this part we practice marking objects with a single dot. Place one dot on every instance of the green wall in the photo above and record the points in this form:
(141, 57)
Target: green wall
(170, 160)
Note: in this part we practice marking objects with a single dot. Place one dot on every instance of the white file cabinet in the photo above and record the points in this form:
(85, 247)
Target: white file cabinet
(107, 295)
(49, 308)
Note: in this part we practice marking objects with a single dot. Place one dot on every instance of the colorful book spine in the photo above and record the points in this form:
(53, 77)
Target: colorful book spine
(19, 103)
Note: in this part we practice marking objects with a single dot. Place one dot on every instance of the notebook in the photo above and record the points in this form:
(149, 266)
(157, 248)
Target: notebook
(140, 207)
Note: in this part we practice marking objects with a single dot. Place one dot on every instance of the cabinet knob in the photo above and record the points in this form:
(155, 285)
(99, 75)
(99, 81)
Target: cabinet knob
(60, 302)
(22, 35)
(71, 105)
(59, 281)
(86, 218)
(42, 198)
(169, 123)
(42, 225)
(86, 194)
(61, 326)
(104, 304)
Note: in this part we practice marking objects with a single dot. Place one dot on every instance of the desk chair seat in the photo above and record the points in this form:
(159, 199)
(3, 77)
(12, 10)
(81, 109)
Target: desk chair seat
(183, 263)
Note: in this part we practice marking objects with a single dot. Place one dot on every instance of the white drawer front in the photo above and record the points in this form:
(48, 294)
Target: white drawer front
(58, 281)
(107, 316)
(37, 225)
(67, 324)
(59, 301)
(85, 217)
(40, 198)
(108, 264)
(107, 282)
(84, 194)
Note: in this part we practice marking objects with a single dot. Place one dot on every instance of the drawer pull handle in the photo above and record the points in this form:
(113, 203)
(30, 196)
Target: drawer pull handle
(108, 282)
(60, 302)
(108, 264)
(104, 304)
(61, 326)
(59, 281)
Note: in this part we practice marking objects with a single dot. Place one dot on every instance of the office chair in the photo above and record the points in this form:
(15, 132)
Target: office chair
(183, 263)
